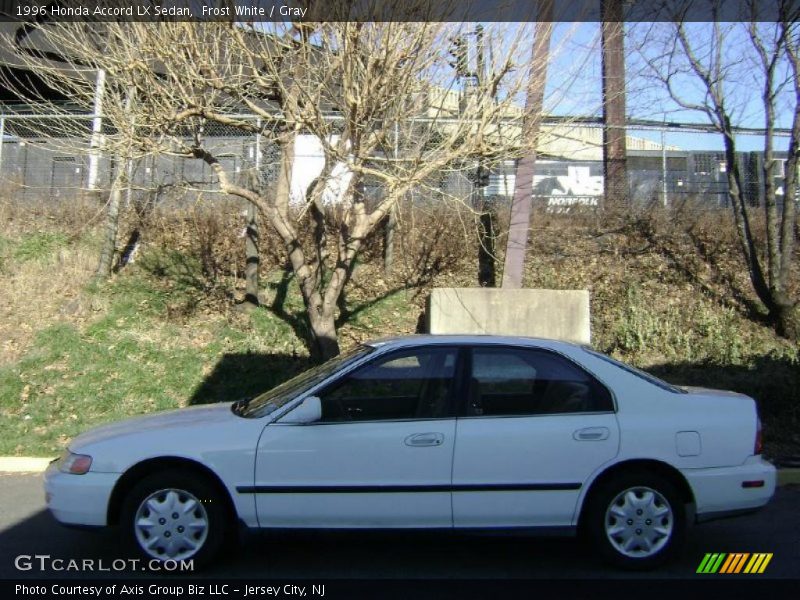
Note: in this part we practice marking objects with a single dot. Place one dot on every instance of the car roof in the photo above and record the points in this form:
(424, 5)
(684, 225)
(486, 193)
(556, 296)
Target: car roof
(468, 339)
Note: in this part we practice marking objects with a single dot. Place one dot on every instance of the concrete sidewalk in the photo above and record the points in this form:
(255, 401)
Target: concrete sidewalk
(23, 464)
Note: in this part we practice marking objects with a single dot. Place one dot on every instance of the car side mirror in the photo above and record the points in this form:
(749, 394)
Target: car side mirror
(308, 411)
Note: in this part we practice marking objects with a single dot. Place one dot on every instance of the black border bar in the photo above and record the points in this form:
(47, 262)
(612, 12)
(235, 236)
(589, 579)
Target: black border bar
(644, 585)
(265, 11)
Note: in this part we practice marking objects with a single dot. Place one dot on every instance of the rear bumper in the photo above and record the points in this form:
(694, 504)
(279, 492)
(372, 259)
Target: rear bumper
(80, 500)
(731, 491)
(725, 514)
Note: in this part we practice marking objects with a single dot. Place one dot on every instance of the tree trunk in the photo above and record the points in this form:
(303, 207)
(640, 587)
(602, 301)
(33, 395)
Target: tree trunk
(388, 240)
(787, 321)
(487, 273)
(319, 303)
(782, 312)
(323, 331)
(741, 215)
(251, 257)
(111, 229)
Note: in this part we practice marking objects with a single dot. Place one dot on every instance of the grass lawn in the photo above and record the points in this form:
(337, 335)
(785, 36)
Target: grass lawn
(163, 333)
(145, 342)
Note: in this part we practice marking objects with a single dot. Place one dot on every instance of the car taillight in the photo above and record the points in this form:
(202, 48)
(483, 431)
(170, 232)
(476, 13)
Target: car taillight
(759, 445)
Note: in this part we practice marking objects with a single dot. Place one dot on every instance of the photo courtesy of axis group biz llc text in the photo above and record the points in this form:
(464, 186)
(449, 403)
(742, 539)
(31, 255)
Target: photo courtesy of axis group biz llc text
(399, 299)
(168, 589)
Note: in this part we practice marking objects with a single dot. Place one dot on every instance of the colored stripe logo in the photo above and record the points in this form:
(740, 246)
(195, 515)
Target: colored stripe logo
(734, 562)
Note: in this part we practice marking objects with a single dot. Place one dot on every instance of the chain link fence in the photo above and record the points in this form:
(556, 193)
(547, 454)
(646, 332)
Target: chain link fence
(37, 163)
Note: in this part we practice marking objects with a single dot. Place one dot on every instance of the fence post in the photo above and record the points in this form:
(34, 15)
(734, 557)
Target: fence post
(2, 138)
(97, 129)
(663, 169)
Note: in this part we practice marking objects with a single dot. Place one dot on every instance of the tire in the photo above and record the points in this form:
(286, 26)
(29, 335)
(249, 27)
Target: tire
(636, 520)
(175, 515)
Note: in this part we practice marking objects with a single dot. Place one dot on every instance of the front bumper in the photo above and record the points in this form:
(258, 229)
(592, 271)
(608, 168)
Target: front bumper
(720, 491)
(78, 499)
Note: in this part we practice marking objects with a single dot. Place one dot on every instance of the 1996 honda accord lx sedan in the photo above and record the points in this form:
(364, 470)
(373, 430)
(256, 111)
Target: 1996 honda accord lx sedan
(467, 432)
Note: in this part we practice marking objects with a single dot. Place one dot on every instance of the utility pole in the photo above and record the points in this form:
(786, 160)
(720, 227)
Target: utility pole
(517, 244)
(478, 176)
(487, 272)
(615, 168)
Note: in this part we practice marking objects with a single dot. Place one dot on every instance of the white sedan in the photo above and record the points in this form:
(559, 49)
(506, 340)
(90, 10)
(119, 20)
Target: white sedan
(467, 432)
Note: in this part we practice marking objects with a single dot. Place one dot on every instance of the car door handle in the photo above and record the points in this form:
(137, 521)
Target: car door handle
(591, 434)
(425, 439)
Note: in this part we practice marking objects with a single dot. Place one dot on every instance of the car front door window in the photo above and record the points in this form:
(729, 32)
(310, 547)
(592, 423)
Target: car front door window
(405, 385)
(380, 456)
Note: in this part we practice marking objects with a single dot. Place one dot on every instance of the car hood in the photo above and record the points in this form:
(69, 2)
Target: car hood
(181, 418)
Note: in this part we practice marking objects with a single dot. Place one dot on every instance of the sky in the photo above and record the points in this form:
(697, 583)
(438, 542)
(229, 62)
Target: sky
(575, 86)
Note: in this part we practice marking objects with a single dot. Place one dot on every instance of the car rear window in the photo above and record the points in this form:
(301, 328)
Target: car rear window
(638, 373)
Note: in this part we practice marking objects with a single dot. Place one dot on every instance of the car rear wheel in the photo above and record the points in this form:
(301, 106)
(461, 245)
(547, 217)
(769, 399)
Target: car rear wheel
(173, 515)
(636, 520)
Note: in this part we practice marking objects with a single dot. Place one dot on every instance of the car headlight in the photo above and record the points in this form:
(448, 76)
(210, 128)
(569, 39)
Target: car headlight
(77, 464)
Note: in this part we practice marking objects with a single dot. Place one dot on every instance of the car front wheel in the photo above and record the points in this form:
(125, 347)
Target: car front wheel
(636, 520)
(177, 516)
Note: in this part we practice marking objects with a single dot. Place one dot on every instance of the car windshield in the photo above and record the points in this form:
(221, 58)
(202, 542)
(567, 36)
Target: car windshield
(267, 402)
(638, 373)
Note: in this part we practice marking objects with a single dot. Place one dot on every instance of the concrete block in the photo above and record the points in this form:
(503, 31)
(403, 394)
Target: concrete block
(555, 314)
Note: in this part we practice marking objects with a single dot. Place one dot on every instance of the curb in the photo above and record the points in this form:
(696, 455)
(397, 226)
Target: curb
(26, 464)
(23, 464)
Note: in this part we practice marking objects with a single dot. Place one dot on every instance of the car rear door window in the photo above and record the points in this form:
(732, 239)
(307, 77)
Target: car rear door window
(519, 381)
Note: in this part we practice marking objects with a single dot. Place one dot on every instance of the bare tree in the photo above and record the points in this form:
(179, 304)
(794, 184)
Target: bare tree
(85, 84)
(702, 67)
(120, 179)
(345, 85)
